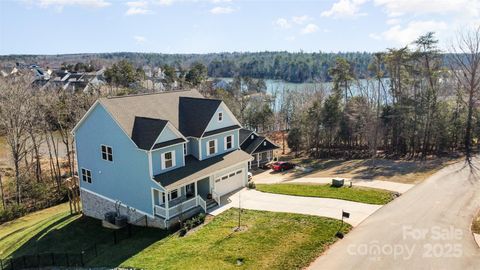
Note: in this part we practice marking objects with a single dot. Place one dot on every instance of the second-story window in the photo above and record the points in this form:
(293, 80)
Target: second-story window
(86, 175)
(228, 142)
(212, 147)
(220, 117)
(107, 153)
(168, 160)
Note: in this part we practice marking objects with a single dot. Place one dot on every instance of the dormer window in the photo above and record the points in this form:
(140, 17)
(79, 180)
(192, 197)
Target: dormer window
(168, 160)
(252, 136)
(220, 117)
(211, 147)
(229, 142)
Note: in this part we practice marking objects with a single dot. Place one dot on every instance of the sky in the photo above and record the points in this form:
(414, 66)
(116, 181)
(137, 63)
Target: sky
(204, 26)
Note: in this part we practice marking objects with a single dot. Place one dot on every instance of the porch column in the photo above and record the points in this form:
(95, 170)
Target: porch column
(196, 190)
(166, 205)
(258, 160)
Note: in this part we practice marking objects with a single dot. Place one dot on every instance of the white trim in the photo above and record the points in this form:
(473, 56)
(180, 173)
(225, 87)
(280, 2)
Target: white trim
(101, 152)
(200, 149)
(150, 165)
(225, 142)
(114, 120)
(236, 129)
(208, 147)
(220, 115)
(79, 123)
(160, 148)
(173, 129)
(227, 110)
(163, 160)
(113, 201)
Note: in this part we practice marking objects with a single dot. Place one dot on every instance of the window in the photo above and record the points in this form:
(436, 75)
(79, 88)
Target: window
(173, 194)
(86, 175)
(212, 147)
(228, 142)
(220, 117)
(217, 180)
(231, 175)
(239, 172)
(252, 137)
(168, 160)
(225, 177)
(264, 143)
(184, 149)
(107, 153)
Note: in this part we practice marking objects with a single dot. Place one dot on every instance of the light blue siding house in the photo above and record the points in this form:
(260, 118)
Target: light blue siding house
(164, 156)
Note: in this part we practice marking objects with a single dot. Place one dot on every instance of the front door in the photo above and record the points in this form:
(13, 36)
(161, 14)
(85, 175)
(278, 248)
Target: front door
(190, 190)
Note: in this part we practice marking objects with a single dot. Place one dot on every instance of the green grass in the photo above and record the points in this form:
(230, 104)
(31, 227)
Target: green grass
(270, 241)
(356, 194)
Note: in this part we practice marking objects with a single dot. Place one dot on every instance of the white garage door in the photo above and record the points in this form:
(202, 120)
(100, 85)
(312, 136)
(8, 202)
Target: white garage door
(229, 182)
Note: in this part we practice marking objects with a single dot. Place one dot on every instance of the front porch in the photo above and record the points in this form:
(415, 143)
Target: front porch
(177, 201)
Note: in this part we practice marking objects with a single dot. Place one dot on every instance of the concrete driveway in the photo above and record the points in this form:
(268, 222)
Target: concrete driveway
(268, 177)
(426, 228)
(255, 200)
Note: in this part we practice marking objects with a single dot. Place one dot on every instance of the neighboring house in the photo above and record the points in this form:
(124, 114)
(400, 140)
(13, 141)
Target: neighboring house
(258, 146)
(165, 155)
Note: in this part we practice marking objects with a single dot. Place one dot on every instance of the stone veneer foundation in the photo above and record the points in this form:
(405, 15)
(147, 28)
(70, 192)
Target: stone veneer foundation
(96, 207)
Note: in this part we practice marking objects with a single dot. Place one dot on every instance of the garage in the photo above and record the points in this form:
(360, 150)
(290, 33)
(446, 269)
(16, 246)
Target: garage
(229, 182)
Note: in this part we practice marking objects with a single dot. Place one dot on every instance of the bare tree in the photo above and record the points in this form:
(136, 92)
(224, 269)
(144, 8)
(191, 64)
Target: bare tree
(466, 69)
(15, 110)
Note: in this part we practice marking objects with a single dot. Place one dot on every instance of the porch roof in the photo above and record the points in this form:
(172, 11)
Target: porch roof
(196, 169)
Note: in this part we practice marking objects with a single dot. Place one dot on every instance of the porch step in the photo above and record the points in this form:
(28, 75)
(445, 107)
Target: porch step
(211, 204)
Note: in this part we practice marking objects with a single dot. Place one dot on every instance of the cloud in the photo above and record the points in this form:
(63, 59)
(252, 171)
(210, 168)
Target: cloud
(137, 8)
(395, 8)
(139, 39)
(282, 23)
(221, 10)
(405, 35)
(345, 9)
(309, 28)
(393, 21)
(220, 1)
(290, 38)
(165, 2)
(301, 19)
(60, 4)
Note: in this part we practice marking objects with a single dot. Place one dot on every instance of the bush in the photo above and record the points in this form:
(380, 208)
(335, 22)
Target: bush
(189, 224)
(251, 185)
(12, 212)
(200, 218)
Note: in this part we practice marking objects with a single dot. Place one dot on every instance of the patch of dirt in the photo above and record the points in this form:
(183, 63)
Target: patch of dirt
(476, 224)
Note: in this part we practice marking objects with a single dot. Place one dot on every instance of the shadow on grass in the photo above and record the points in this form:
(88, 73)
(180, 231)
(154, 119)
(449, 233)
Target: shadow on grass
(74, 234)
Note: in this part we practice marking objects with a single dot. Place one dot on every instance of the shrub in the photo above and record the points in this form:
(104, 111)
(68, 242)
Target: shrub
(12, 212)
(189, 224)
(251, 185)
(201, 218)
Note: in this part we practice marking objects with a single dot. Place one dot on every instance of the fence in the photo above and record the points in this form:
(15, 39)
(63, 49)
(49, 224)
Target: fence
(79, 259)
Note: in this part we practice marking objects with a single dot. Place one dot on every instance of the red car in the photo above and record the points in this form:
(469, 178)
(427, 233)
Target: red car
(281, 166)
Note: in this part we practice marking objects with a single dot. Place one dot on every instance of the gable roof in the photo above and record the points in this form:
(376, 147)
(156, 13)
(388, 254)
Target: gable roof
(146, 130)
(195, 114)
(164, 106)
(244, 134)
(255, 145)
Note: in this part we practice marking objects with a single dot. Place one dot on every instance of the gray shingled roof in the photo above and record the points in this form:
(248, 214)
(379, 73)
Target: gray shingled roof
(253, 145)
(196, 169)
(244, 134)
(146, 131)
(164, 106)
(143, 117)
(195, 114)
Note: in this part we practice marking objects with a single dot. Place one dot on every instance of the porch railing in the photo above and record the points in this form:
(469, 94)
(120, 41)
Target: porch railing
(202, 203)
(176, 209)
(216, 197)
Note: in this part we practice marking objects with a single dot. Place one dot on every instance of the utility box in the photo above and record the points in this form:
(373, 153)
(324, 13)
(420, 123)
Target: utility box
(338, 182)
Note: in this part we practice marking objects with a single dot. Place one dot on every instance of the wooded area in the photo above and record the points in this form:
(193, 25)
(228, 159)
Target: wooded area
(403, 103)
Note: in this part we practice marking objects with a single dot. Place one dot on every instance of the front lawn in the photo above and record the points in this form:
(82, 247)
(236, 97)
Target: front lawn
(356, 194)
(269, 241)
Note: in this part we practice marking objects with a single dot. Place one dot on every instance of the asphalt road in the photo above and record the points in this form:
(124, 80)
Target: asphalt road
(428, 227)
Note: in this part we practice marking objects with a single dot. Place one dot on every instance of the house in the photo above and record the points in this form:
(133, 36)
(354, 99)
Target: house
(166, 155)
(259, 147)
